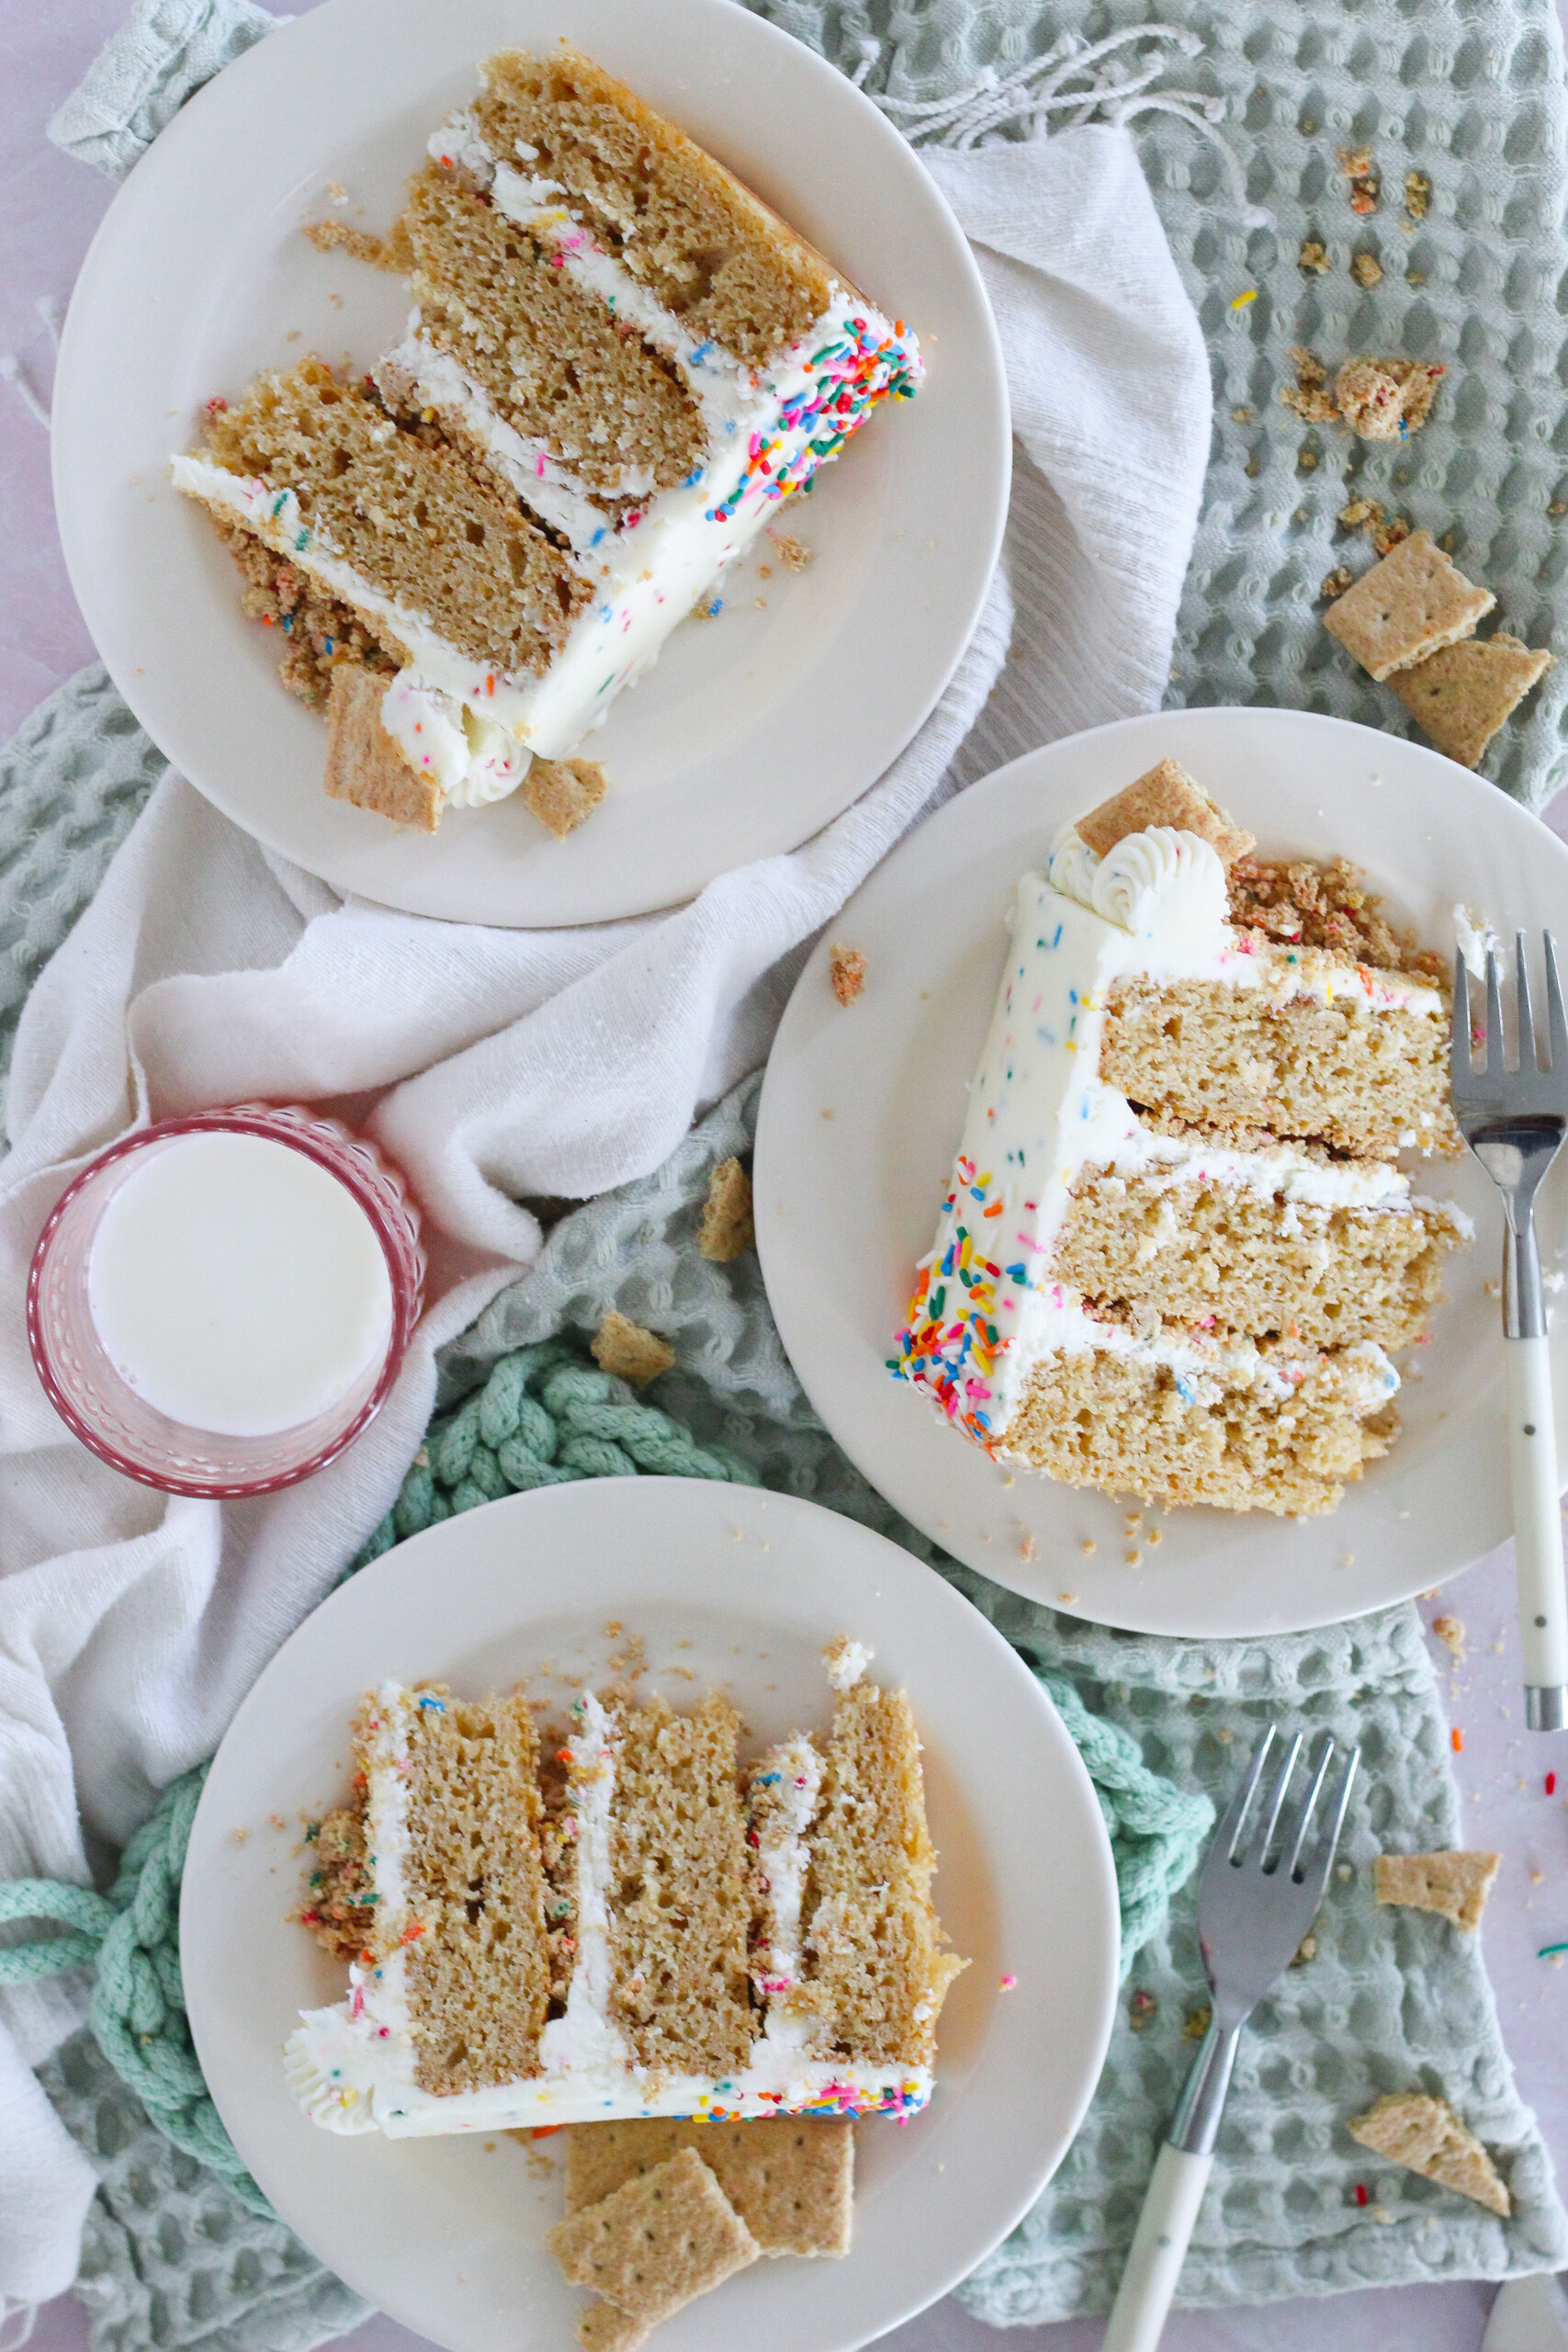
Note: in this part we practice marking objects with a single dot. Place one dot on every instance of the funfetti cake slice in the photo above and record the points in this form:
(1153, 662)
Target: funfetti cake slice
(618, 364)
(1176, 1252)
(631, 1925)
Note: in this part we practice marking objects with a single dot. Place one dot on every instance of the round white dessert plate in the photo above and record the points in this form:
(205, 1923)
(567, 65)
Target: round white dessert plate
(863, 1108)
(723, 1585)
(756, 727)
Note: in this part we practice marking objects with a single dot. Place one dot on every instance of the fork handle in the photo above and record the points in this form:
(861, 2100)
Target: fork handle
(1537, 1533)
(1160, 2248)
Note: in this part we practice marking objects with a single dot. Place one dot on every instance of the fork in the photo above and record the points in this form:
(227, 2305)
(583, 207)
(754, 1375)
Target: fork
(1514, 1121)
(1259, 1893)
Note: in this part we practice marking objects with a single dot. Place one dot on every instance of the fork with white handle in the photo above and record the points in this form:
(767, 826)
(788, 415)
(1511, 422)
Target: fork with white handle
(1259, 1893)
(1514, 1120)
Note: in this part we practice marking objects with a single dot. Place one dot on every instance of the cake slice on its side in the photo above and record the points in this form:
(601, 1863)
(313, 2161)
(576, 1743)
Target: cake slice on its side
(629, 1926)
(1175, 1249)
(618, 364)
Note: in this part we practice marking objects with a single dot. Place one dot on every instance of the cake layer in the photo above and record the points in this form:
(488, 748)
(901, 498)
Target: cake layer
(1131, 1426)
(1148, 1247)
(702, 243)
(559, 364)
(1367, 1077)
(404, 514)
(677, 1897)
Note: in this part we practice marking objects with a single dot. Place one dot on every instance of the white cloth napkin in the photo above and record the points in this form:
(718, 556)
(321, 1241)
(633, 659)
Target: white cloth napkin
(493, 1063)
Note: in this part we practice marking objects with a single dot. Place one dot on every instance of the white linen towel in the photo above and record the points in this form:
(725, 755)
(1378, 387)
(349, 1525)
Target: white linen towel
(493, 1063)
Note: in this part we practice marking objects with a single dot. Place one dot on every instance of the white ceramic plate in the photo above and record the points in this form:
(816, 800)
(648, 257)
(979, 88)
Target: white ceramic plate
(756, 727)
(862, 1112)
(447, 2235)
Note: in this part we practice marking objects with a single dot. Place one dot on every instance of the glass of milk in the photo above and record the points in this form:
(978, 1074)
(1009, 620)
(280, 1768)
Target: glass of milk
(219, 1304)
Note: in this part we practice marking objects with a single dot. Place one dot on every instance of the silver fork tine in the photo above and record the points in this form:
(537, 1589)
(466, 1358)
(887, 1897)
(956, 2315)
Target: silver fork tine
(1328, 1843)
(1460, 1066)
(1522, 1010)
(1556, 1023)
(1494, 1045)
(1268, 1818)
(1230, 1821)
(1300, 1818)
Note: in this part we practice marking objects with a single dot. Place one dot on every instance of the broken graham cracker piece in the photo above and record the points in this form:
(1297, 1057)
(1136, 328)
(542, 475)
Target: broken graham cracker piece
(1405, 608)
(1426, 2136)
(727, 1227)
(364, 765)
(1462, 696)
(656, 2242)
(1456, 1884)
(561, 793)
(846, 972)
(624, 1347)
(602, 2328)
(791, 2179)
(1165, 794)
(1386, 400)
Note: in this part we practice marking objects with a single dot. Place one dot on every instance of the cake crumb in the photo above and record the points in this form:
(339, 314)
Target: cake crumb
(1449, 1631)
(1141, 2010)
(381, 253)
(1386, 400)
(792, 553)
(1334, 583)
(625, 1348)
(1356, 162)
(728, 1228)
(1196, 2023)
(1366, 269)
(1241, 415)
(1305, 1950)
(1088, 1545)
(1417, 195)
(1026, 1547)
(1135, 1558)
(846, 972)
(561, 793)
(1313, 255)
(1067, 1600)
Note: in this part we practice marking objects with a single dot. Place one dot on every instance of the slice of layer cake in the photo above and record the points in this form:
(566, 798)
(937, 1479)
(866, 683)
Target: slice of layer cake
(1176, 1249)
(635, 1925)
(618, 363)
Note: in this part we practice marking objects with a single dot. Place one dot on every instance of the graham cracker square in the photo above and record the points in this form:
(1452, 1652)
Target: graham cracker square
(624, 1347)
(727, 1228)
(561, 793)
(1164, 795)
(1456, 1886)
(364, 765)
(656, 2241)
(1461, 696)
(602, 2328)
(791, 2179)
(1426, 2136)
(1406, 607)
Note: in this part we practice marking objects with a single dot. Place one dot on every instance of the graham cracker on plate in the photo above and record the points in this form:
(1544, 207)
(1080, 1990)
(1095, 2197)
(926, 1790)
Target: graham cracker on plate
(1426, 2136)
(1456, 1886)
(1406, 607)
(624, 1347)
(561, 793)
(1164, 795)
(602, 2328)
(727, 1228)
(364, 765)
(1462, 696)
(791, 2179)
(655, 2243)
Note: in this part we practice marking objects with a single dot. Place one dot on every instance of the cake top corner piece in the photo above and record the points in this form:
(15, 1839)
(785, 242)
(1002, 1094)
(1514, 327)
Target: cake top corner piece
(1164, 795)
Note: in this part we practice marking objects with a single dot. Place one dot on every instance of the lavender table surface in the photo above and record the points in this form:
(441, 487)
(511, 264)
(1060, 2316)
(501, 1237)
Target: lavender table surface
(49, 209)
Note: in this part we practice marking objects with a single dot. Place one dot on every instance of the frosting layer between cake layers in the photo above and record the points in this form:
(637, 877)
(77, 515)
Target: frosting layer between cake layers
(987, 1310)
(473, 725)
(352, 2066)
